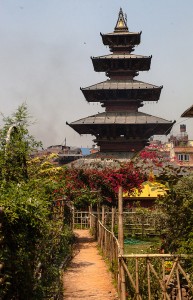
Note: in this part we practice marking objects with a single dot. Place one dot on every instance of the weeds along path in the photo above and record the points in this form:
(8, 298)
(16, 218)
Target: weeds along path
(87, 276)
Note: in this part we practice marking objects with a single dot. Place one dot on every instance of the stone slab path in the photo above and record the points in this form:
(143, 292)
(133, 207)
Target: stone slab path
(87, 276)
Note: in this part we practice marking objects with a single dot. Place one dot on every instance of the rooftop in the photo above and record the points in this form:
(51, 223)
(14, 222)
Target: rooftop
(122, 118)
(121, 84)
(122, 56)
(188, 113)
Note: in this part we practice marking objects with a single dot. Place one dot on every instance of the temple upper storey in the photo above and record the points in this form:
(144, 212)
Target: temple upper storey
(121, 65)
(121, 40)
(121, 92)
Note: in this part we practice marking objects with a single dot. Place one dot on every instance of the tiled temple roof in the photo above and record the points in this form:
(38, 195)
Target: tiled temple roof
(122, 118)
(121, 84)
(122, 56)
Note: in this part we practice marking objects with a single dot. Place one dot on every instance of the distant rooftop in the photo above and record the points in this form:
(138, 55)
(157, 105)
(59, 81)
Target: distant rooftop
(85, 151)
(188, 113)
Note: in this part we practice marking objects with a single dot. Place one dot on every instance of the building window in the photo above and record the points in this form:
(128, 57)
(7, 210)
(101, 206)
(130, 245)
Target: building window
(183, 157)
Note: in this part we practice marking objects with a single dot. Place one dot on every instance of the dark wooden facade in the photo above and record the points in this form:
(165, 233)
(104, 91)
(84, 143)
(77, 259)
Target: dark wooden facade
(121, 128)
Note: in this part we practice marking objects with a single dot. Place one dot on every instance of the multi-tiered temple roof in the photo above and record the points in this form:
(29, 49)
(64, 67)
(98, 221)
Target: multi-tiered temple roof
(122, 128)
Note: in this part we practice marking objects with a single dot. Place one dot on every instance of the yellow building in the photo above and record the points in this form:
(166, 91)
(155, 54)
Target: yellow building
(147, 196)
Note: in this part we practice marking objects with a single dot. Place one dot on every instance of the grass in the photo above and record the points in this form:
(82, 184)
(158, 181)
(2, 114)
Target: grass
(146, 245)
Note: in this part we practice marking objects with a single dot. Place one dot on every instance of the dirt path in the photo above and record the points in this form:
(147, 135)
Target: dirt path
(88, 277)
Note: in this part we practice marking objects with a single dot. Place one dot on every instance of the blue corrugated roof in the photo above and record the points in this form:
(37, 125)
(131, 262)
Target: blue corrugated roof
(85, 151)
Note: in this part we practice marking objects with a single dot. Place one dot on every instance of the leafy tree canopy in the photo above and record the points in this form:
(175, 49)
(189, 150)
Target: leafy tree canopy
(178, 207)
(16, 144)
(34, 241)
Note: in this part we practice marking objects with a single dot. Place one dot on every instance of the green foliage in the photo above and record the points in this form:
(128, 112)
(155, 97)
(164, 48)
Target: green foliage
(84, 199)
(35, 237)
(15, 145)
(31, 238)
(178, 207)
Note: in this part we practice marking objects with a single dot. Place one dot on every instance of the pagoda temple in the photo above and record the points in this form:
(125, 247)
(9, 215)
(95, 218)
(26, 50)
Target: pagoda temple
(122, 128)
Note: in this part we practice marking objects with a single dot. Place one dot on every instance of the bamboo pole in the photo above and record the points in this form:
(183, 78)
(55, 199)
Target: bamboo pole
(163, 286)
(98, 211)
(171, 272)
(103, 214)
(121, 243)
(98, 219)
(158, 255)
(90, 216)
(128, 273)
(95, 224)
(178, 284)
(112, 219)
(120, 212)
(105, 243)
(164, 276)
(73, 216)
(186, 277)
(99, 234)
(137, 277)
(81, 219)
(119, 277)
(148, 279)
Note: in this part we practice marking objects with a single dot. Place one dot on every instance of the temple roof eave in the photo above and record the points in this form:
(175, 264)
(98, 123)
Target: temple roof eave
(107, 96)
(145, 130)
(125, 118)
(119, 33)
(128, 89)
(121, 84)
(122, 56)
(121, 61)
(188, 113)
(132, 38)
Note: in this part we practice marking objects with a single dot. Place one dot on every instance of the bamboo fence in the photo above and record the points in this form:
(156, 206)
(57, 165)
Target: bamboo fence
(134, 223)
(142, 276)
(109, 246)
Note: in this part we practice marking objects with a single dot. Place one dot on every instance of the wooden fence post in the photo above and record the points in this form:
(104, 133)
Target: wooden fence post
(98, 211)
(121, 243)
(98, 219)
(137, 278)
(112, 219)
(73, 217)
(103, 215)
(90, 216)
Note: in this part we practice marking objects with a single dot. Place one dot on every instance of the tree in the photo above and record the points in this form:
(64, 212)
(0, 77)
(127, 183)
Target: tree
(16, 144)
(178, 207)
(33, 242)
(101, 182)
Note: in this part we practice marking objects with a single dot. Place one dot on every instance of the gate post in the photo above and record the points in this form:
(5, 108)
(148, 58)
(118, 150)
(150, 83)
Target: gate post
(122, 285)
(90, 216)
(112, 218)
(103, 214)
(73, 217)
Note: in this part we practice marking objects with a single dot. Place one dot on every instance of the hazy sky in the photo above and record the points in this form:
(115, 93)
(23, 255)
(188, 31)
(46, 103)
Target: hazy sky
(45, 54)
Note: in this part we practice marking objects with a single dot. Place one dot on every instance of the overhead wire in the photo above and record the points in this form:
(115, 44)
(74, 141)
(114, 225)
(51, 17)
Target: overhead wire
(176, 123)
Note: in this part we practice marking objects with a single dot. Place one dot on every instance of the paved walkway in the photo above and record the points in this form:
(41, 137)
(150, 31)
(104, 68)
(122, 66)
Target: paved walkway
(87, 276)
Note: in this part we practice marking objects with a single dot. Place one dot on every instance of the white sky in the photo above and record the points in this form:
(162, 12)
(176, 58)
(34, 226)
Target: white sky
(45, 54)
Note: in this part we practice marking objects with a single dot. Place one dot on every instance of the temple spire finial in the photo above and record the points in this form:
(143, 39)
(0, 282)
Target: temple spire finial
(121, 24)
